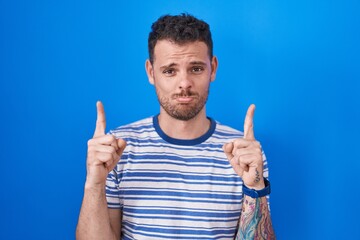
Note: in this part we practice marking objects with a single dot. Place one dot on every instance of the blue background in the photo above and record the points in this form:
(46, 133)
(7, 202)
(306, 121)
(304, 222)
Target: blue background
(298, 61)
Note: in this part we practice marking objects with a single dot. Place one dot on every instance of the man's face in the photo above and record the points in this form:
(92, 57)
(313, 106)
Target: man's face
(181, 75)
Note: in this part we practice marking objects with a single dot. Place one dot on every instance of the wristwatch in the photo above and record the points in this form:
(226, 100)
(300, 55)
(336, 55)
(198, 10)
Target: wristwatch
(257, 193)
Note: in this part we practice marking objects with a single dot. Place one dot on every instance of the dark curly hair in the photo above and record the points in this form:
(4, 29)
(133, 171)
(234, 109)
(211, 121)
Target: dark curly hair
(181, 29)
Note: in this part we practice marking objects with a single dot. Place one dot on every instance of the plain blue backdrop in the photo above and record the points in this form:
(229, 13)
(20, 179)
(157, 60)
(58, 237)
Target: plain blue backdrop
(298, 61)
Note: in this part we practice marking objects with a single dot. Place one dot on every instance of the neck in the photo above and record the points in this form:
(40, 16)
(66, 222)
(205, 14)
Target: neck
(180, 129)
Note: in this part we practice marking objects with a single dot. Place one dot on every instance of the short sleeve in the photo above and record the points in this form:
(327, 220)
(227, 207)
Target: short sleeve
(112, 191)
(266, 175)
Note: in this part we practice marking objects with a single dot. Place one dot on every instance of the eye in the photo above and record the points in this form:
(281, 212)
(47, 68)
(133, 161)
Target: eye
(197, 69)
(169, 71)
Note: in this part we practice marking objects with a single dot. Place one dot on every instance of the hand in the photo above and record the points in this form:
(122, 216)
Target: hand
(104, 151)
(245, 154)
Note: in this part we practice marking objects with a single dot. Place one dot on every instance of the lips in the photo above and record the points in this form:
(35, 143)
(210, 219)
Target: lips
(184, 99)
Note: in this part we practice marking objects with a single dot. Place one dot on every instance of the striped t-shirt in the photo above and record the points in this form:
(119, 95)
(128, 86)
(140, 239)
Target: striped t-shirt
(169, 188)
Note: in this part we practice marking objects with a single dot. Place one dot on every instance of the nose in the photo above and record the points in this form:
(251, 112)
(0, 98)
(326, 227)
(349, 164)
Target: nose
(185, 82)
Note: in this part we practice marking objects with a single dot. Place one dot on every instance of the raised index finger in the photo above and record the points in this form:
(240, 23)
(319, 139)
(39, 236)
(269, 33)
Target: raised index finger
(100, 120)
(249, 124)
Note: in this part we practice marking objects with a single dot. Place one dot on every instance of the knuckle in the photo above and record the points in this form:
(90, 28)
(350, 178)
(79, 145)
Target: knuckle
(90, 147)
(112, 150)
(90, 142)
(114, 145)
(258, 150)
(259, 159)
(233, 161)
(237, 142)
(102, 157)
(111, 137)
(90, 156)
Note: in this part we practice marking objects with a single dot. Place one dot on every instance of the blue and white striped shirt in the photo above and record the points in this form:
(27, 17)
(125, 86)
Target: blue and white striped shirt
(169, 188)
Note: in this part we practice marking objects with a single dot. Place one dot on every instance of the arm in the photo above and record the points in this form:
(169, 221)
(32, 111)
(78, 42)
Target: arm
(255, 221)
(96, 221)
(245, 156)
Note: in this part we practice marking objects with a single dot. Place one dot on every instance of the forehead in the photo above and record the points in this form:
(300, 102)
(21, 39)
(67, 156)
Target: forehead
(167, 50)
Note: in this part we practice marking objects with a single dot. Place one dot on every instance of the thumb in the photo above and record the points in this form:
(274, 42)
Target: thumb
(121, 146)
(100, 120)
(228, 147)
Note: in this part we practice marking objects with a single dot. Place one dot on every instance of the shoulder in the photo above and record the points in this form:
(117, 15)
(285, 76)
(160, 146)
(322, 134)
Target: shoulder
(134, 127)
(226, 131)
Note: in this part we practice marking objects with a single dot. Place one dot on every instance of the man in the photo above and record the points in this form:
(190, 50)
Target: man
(181, 174)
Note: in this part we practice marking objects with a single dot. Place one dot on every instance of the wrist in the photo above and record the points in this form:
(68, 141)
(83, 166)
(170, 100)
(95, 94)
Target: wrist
(257, 193)
(94, 192)
(260, 185)
(89, 185)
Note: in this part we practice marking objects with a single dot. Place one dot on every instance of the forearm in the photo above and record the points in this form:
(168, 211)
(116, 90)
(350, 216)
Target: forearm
(94, 219)
(255, 221)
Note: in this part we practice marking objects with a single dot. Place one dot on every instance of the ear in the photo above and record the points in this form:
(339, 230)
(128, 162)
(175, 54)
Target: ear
(214, 66)
(149, 71)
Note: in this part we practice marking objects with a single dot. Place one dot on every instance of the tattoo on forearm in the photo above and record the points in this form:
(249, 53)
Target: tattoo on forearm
(255, 221)
(257, 176)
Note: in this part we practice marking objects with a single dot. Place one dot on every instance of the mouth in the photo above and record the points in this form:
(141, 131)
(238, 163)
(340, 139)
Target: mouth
(184, 99)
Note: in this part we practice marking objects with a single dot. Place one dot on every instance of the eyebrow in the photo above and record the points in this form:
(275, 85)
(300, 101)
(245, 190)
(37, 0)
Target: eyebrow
(168, 66)
(175, 64)
(198, 63)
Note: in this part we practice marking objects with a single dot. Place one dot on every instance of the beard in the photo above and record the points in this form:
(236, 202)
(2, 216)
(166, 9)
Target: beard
(183, 111)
